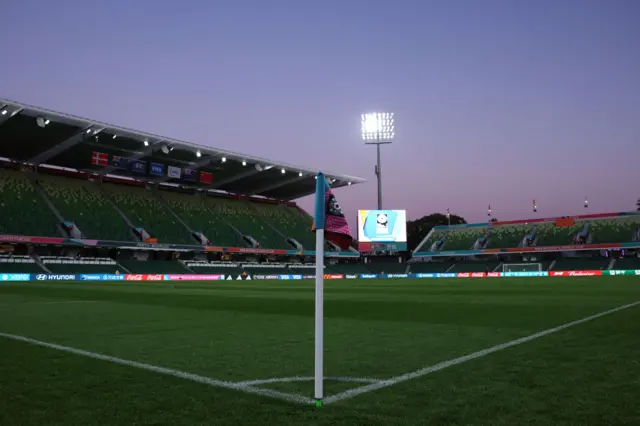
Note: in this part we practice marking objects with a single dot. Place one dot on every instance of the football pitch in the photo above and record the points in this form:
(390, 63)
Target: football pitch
(499, 351)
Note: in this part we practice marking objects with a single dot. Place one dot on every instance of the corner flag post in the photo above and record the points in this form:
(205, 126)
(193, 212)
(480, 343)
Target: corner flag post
(319, 222)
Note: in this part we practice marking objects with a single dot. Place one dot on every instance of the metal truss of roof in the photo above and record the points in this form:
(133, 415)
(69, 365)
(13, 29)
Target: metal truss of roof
(296, 183)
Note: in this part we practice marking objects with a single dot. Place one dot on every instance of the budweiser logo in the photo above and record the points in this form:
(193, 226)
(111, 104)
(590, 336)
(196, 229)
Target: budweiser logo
(582, 273)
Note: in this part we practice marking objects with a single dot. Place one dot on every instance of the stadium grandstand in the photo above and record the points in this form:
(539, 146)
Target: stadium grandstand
(81, 196)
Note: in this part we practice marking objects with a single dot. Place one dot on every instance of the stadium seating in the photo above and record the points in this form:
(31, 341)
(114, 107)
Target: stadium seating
(202, 218)
(548, 234)
(507, 235)
(154, 266)
(242, 217)
(474, 266)
(266, 268)
(144, 209)
(615, 230)
(222, 268)
(19, 264)
(581, 263)
(627, 263)
(429, 267)
(83, 203)
(23, 211)
(72, 265)
(456, 238)
(290, 221)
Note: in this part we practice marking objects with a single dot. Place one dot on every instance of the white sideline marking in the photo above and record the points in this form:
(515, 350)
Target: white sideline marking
(52, 302)
(445, 364)
(167, 371)
(307, 379)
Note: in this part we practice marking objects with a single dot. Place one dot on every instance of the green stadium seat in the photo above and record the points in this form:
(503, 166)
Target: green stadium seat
(154, 266)
(581, 264)
(144, 209)
(244, 218)
(23, 211)
(551, 235)
(203, 218)
(429, 267)
(618, 230)
(507, 236)
(83, 203)
(19, 264)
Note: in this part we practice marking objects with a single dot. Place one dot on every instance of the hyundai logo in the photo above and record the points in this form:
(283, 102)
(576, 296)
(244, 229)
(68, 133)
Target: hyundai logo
(41, 277)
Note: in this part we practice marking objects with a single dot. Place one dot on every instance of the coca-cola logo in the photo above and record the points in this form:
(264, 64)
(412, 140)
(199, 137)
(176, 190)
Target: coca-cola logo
(493, 274)
(133, 277)
(477, 275)
(156, 277)
(464, 275)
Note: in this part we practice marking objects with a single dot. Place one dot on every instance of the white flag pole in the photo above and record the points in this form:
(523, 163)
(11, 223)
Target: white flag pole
(319, 326)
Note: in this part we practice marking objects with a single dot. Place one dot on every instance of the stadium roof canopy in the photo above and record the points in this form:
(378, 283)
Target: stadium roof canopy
(38, 136)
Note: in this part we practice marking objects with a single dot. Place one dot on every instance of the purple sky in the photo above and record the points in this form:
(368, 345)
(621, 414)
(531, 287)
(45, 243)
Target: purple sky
(496, 101)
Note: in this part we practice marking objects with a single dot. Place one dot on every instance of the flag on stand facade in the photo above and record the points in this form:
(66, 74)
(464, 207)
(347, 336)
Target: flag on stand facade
(99, 158)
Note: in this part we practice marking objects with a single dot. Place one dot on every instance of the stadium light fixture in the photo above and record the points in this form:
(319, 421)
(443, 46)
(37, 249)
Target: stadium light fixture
(282, 171)
(378, 128)
(146, 142)
(4, 112)
(299, 174)
(244, 163)
(114, 136)
(88, 131)
(348, 183)
(198, 154)
(224, 159)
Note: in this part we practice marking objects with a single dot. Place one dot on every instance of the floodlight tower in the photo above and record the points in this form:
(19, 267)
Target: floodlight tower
(378, 128)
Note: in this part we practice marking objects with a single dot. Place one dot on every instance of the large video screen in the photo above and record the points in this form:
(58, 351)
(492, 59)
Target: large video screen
(382, 226)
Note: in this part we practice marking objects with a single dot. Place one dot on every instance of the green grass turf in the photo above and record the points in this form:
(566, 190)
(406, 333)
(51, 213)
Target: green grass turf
(587, 374)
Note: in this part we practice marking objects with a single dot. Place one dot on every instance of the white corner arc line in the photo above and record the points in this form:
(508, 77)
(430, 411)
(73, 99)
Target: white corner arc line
(307, 379)
(455, 361)
(166, 371)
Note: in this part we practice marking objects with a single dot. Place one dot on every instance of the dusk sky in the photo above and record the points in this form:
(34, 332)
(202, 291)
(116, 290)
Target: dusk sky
(496, 102)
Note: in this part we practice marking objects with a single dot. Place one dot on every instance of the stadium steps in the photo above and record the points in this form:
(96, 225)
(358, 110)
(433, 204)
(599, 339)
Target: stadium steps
(23, 211)
(38, 260)
(82, 202)
(21, 264)
(200, 216)
(143, 209)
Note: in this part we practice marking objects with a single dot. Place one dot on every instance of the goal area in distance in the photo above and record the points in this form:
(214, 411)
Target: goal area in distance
(521, 267)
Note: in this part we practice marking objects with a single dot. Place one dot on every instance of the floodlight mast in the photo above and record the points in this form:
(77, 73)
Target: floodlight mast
(378, 128)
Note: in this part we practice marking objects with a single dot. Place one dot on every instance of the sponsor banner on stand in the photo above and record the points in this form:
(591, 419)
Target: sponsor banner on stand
(144, 277)
(397, 275)
(471, 275)
(289, 277)
(368, 276)
(265, 277)
(596, 273)
(351, 276)
(525, 274)
(425, 275)
(446, 275)
(308, 277)
(15, 277)
(493, 274)
(193, 277)
(102, 277)
(621, 272)
(333, 276)
(56, 277)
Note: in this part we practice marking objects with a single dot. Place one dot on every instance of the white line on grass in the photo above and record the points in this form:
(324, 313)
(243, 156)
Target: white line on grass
(167, 371)
(307, 379)
(445, 364)
(47, 302)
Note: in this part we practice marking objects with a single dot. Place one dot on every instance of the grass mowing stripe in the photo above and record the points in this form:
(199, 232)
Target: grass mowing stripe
(445, 364)
(167, 371)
